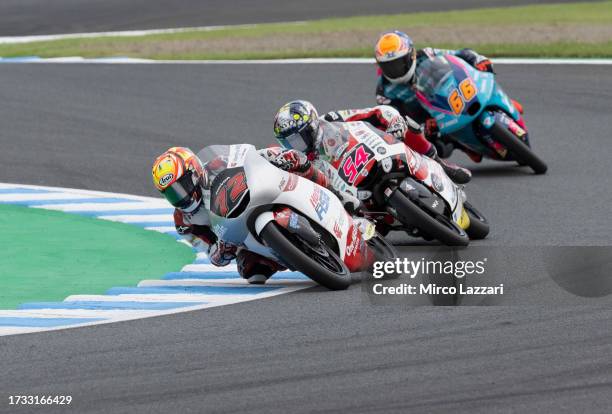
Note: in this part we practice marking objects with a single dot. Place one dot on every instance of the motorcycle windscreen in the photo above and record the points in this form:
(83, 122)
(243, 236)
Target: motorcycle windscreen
(431, 77)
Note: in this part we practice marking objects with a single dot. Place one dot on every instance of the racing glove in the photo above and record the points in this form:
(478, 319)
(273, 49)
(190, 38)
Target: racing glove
(397, 127)
(298, 163)
(485, 66)
(482, 63)
(351, 203)
(292, 161)
(221, 253)
(431, 129)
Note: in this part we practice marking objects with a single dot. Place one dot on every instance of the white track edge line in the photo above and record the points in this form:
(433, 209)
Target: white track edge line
(155, 314)
(86, 192)
(124, 60)
(8, 40)
(5, 331)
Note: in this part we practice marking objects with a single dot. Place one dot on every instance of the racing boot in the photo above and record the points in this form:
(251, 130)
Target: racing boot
(458, 174)
(474, 156)
(444, 149)
(254, 268)
(257, 279)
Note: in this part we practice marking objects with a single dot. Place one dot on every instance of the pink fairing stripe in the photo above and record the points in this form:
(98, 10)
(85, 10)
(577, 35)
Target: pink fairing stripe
(426, 102)
(454, 60)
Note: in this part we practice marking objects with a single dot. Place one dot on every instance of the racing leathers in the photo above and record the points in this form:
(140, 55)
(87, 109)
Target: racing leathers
(388, 119)
(402, 95)
(195, 228)
(318, 171)
(331, 145)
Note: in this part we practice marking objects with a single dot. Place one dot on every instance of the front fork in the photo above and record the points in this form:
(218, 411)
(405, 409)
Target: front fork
(357, 255)
(490, 118)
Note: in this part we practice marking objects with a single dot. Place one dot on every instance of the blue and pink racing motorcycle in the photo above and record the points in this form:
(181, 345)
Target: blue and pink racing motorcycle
(473, 113)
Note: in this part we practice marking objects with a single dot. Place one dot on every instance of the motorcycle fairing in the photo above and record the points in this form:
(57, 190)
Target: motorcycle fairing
(426, 170)
(462, 127)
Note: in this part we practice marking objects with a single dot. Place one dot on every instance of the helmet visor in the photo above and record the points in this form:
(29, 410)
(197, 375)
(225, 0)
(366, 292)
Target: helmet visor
(180, 193)
(300, 141)
(395, 69)
(294, 141)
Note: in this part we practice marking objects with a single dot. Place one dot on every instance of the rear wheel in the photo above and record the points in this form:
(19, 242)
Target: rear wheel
(320, 263)
(479, 226)
(520, 151)
(438, 227)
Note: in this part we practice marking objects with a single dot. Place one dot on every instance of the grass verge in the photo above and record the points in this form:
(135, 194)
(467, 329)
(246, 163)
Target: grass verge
(48, 255)
(553, 30)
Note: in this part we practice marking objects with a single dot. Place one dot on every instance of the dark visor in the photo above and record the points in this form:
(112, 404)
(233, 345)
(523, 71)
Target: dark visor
(300, 140)
(397, 68)
(179, 193)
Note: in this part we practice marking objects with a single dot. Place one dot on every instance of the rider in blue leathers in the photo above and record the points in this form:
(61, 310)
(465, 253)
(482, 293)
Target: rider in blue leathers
(397, 61)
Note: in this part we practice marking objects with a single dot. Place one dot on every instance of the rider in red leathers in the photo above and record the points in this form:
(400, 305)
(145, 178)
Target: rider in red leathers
(388, 119)
(308, 141)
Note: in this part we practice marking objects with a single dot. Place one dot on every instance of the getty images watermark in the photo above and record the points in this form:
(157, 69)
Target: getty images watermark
(492, 275)
(430, 270)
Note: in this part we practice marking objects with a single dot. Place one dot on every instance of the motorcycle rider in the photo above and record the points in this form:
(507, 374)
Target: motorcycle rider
(397, 60)
(178, 174)
(308, 142)
(388, 119)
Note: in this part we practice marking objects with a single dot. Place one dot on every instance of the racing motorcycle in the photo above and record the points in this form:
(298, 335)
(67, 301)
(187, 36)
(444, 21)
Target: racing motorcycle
(473, 112)
(404, 190)
(287, 218)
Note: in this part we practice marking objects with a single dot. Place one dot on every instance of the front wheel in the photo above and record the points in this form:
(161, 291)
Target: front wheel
(521, 151)
(439, 227)
(479, 226)
(319, 263)
(382, 249)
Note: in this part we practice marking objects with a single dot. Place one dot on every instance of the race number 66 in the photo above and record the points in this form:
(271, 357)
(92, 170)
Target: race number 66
(458, 97)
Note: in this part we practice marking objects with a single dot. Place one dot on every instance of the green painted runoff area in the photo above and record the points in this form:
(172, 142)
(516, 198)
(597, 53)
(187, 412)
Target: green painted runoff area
(47, 255)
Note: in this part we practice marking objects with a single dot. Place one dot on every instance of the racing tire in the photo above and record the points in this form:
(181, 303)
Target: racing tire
(479, 226)
(321, 264)
(383, 252)
(521, 151)
(438, 227)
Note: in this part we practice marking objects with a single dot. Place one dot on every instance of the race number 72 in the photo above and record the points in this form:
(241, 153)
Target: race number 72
(235, 186)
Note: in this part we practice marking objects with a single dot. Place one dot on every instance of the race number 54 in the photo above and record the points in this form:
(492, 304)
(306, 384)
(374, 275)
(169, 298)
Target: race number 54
(355, 162)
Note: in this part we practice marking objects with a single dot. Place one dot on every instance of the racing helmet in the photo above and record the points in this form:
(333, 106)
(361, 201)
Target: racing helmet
(178, 175)
(296, 126)
(396, 56)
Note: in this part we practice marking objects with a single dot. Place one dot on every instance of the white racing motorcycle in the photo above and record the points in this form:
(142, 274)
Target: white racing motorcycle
(287, 218)
(404, 189)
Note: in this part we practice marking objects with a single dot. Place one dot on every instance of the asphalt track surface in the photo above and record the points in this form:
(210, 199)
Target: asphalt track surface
(99, 127)
(38, 17)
